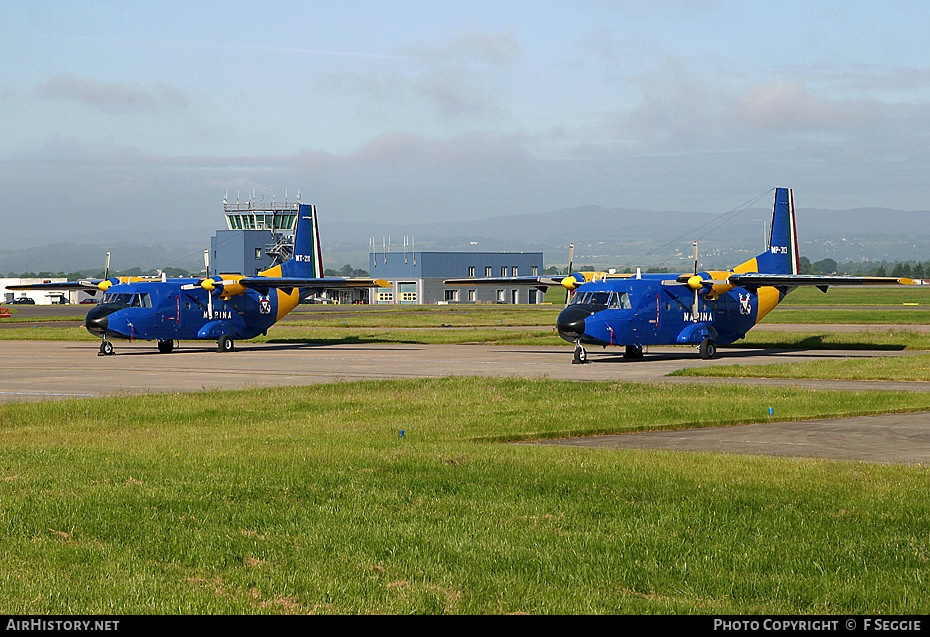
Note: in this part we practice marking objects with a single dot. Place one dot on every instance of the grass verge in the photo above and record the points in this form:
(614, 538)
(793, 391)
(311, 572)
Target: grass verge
(890, 368)
(308, 500)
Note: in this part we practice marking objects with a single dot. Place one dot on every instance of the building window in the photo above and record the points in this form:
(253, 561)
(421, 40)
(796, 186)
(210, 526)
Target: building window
(487, 271)
(452, 296)
(503, 270)
(385, 297)
(513, 271)
(471, 270)
(472, 295)
(258, 253)
(500, 296)
(535, 270)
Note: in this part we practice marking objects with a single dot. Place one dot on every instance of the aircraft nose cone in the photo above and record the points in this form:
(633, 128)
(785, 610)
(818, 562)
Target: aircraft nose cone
(96, 321)
(570, 323)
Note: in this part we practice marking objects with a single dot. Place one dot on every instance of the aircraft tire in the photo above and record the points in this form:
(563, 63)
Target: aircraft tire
(580, 357)
(225, 344)
(165, 347)
(631, 351)
(106, 348)
(708, 349)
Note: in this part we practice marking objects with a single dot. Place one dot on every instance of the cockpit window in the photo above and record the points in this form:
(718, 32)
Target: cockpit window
(129, 300)
(619, 301)
(612, 300)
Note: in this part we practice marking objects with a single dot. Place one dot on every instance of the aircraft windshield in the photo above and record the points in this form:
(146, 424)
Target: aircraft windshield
(128, 300)
(612, 300)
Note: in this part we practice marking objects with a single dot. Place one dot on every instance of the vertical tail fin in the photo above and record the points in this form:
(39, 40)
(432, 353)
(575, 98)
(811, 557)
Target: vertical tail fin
(307, 261)
(782, 256)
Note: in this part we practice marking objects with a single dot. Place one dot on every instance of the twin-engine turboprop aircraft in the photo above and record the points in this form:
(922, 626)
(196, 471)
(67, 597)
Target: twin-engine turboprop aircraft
(705, 309)
(221, 308)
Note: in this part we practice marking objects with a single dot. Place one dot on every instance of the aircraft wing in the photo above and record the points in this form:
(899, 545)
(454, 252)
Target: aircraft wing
(538, 281)
(265, 283)
(61, 285)
(757, 280)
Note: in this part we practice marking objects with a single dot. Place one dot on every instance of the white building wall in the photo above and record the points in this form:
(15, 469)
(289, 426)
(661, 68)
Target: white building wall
(41, 297)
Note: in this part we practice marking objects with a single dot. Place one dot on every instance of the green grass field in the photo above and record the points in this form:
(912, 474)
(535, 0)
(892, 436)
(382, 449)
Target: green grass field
(308, 500)
(893, 368)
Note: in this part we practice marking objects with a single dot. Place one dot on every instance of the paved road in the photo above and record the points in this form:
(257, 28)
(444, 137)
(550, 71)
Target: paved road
(38, 369)
(885, 439)
(43, 370)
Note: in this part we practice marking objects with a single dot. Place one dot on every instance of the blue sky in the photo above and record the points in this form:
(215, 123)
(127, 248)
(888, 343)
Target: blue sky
(145, 114)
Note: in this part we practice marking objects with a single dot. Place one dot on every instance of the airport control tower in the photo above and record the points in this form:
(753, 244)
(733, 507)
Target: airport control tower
(259, 235)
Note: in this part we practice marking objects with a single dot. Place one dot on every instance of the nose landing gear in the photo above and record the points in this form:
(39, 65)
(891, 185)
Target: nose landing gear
(581, 356)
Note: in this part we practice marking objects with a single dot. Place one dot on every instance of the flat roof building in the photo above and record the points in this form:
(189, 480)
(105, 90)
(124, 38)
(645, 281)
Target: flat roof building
(417, 277)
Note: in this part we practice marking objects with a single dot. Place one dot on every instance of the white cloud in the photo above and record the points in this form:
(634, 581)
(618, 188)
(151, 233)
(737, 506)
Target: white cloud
(111, 97)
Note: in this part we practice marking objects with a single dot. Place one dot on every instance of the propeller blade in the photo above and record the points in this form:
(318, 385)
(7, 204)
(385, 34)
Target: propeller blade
(106, 270)
(571, 258)
(694, 284)
(206, 265)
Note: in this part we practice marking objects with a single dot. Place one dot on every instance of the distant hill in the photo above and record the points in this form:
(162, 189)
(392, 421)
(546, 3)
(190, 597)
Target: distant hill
(622, 237)
(77, 257)
(616, 237)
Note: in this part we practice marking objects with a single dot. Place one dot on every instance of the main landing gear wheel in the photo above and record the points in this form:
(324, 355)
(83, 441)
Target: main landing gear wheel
(581, 356)
(708, 349)
(106, 348)
(165, 347)
(631, 351)
(225, 344)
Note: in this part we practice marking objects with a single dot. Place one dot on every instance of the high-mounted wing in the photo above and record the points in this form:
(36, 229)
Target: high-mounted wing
(61, 285)
(570, 281)
(85, 284)
(756, 280)
(539, 281)
(265, 283)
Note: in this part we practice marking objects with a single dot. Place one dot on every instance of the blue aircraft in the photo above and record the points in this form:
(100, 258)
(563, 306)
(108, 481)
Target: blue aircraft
(704, 309)
(221, 308)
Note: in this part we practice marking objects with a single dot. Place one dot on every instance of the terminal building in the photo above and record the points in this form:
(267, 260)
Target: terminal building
(416, 278)
(260, 235)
